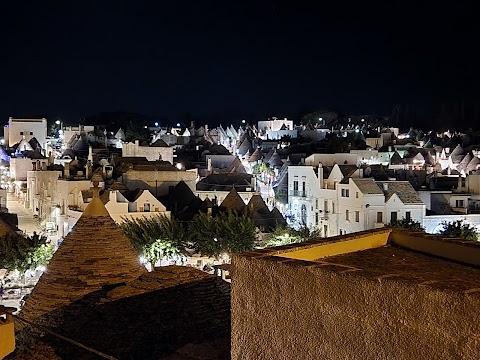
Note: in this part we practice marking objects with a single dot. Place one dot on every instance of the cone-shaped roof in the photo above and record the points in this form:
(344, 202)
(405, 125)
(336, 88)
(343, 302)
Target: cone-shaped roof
(473, 164)
(275, 160)
(94, 254)
(233, 202)
(396, 159)
(256, 156)
(269, 155)
(464, 163)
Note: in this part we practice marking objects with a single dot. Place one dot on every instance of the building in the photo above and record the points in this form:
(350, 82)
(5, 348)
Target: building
(155, 176)
(379, 294)
(159, 150)
(339, 200)
(126, 204)
(25, 129)
(275, 124)
(96, 293)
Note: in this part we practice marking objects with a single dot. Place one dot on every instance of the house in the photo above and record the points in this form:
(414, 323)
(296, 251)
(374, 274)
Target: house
(117, 299)
(378, 294)
(155, 176)
(339, 200)
(126, 204)
(25, 129)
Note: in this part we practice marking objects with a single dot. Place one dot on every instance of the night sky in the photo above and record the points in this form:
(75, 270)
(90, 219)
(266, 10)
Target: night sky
(232, 59)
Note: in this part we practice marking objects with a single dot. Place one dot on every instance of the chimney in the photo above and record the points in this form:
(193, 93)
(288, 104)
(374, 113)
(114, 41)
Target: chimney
(385, 187)
(320, 175)
(39, 167)
(209, 165)
(88, 169)
(66, 172)
(137, 143)
(459, 185)
(90, 153)
(34, 163)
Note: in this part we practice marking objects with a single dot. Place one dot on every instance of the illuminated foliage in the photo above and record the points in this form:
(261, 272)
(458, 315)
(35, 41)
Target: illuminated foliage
(22, 253)
(285, 235)
(156, 237)
(407, 224)
(228, 232)
(459, 229)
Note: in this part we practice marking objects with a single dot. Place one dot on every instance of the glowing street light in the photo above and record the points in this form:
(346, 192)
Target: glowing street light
(156, 123)
(178, 124)
(57, 122)
(243, 121)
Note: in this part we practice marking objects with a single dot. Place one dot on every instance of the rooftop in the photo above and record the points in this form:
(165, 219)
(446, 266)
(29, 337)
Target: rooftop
(420, 259)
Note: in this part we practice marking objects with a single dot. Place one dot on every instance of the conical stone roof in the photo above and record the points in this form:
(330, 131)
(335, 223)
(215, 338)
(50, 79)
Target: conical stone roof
(94, 254)
(233, 202)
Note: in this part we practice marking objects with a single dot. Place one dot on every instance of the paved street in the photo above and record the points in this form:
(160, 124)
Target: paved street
(26, 221)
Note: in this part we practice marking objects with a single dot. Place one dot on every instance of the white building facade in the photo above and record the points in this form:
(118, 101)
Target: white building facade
(336, 205)
(18, 129)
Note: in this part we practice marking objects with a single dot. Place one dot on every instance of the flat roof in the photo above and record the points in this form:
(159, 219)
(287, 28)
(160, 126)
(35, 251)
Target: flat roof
(389, 253)
(405, 265)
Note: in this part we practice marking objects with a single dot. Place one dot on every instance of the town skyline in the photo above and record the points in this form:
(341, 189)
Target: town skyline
(224, 61)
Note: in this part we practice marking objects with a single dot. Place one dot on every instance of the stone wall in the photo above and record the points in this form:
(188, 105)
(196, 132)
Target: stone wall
(292, 309)
(158, 182)
(151, 153)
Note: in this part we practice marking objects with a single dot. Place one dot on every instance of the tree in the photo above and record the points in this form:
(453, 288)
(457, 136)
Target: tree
(18, 252)
(228, 232)
(156, 237)
(406, 224)
(459, 229)
(285, 235)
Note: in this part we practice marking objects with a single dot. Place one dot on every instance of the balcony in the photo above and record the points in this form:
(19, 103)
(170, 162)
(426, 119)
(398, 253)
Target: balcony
(298, 193)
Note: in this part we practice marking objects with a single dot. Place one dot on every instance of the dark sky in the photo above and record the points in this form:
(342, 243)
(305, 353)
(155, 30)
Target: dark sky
(227, 59)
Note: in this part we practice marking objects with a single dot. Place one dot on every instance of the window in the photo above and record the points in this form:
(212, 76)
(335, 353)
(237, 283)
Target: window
(357, 216)
(459, 203)
(345, 192)
(379, 217)
(304, 214)
(325, 206)
(347, 214)
(295, 185)
(316, 218)
(316, 204)
(408, 215)
(146, 207)
(393, 216)
(21, 132)
(333, 208)
(31, 133)
(356, 194)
